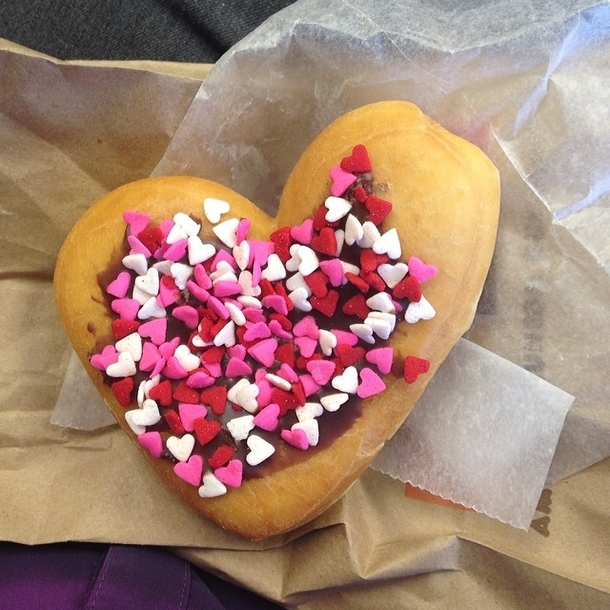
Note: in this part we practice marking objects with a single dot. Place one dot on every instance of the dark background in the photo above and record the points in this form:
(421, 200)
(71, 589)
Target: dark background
(197, 31)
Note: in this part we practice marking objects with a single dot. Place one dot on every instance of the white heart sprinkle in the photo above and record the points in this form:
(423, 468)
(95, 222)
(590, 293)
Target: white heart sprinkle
(332, 402)
(241, 254)
(300, 299)
(392, 275)
(164, 267)
(181, 273)
(292, 264)
(223, 276)
(246, 397)
(311, 429)
(188, 361)
(151, 309)
(236, 314)
(327, 341)
(132, 343)
(240, 427)
(198, 252)
(370, 234)
(248, 300)
(381, 327)
(212, 487)
(226, 232)
(123, 367)
(222, 267)
(310, 410)
(381, 301)
(181, 447)
(226, 335)
(337, 208)
(176, 233)
(340, 238)
(353, 230)
(420, 310)
(233, 390)
(347, 381)
(349, 268)
(274, 269)
(215, 208)
(364, 332)
(278, 382)
(148, 415)
(149, 282)
(137, 429)
(388, 243)
(246, 282)
(260, 450)
(136, 262)
(308, 260)
(190, 226)
(298, 281)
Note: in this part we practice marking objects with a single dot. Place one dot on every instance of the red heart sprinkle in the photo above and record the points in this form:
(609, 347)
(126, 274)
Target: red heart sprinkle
(162, 393)
(182, 393)
(325, 242)
(174, 422)
(122, 391)
(221, 456)
(358, 162)
(284, 322)
(356, 306)
(408, 288)
(357, 281)
(414, 367)
(318, 282)
(327, 305)
(285, 400)
(370, 260)
(213, 354)
(299, 393)
(285, 353)
(206, 430)
(378, 209)
(282, 241)
(349, 355)
(215, 398)
(122, 328)
(319, 220)
(374, 280)
(151, 238)
(360, 194)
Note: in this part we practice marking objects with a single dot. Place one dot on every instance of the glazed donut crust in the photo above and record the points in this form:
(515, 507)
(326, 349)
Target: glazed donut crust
(445, 194)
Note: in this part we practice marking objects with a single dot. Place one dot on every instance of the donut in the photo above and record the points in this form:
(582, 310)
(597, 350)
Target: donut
(260, 363)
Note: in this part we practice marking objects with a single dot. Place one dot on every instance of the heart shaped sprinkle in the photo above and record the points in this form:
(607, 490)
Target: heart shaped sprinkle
(246, 336)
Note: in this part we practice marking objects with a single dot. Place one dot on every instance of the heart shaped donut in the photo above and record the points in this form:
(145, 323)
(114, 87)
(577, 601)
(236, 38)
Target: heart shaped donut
(261, 363)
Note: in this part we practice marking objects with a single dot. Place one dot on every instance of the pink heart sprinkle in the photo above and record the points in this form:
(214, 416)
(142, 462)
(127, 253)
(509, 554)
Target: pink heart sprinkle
(150, 356)
(155, 330)
(219, 308)
(321, 370)
(303, 232)
(126, 308)
(242, 230)
(214, 369)
(237, 351)
(253, 314)
(226, 288)
(237, 368)
(168, 295)
(108, 356)
(297, 438)
(268, 417)
(420, 270)
(189, 413)
(370, 384)
(333, 269)
(120, 285)
(153, 442)
(191, 470)
(258, 330)
(342, 180)
(307, 346)
(277, 329)
(199, 380)
(201, 277)
(287, 372)
(173, 369)
(137, 222)
(383, 357)
(276, 302)
(176, 251)
(260, 251)
(307, 327)
(223, 255)
(256, 274)
(345, 337)
(310, 387)
(264, 391)
(231, 474)
(264, 351)
(168, 348)
(201, 294)
(137, 247)
(186, 314)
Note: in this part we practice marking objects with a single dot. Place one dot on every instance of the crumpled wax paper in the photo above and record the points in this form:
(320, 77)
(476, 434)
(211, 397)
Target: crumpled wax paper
(524, 83)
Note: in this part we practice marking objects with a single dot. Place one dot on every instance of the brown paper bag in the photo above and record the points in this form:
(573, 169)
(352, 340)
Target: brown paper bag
(71, 132)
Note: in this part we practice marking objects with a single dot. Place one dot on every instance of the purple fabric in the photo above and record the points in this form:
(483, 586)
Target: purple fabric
(111, 577)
